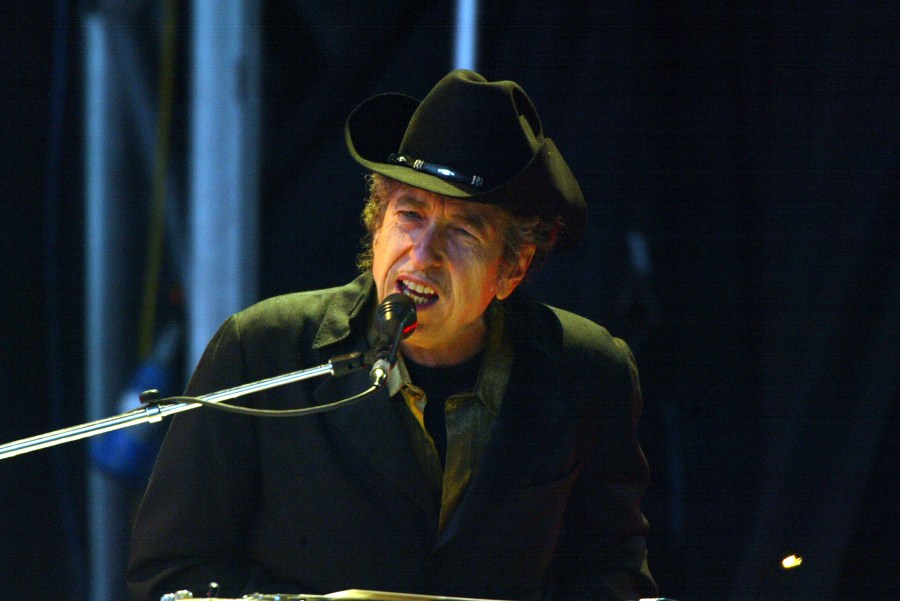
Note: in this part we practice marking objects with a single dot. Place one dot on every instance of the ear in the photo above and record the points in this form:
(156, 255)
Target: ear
(512, 274)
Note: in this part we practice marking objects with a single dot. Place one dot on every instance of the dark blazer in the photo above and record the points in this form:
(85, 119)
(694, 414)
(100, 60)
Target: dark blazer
(335, 501)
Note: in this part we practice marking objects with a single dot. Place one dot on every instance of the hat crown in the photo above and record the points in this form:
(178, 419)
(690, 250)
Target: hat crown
(472, 139)
(480, 128)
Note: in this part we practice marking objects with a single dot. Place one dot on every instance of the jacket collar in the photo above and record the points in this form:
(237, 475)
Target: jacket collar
(371, 426)
(350, 303)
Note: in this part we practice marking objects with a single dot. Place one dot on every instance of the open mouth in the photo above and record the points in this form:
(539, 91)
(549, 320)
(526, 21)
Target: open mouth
(423, 296)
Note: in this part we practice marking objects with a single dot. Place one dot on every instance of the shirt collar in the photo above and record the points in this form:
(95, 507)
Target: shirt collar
(496, 364)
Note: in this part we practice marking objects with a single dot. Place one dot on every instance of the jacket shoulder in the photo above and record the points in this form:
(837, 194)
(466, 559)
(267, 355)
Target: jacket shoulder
(318, 316)
(578, 354)
(288, 308)
(568, 336)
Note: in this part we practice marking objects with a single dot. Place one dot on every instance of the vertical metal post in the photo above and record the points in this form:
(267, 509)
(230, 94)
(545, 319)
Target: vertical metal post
(465, 47)
(225, 165)
(223, 218)
(109, 279)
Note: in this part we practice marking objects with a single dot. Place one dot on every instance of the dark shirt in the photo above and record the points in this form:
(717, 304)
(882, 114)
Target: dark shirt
(439, 383)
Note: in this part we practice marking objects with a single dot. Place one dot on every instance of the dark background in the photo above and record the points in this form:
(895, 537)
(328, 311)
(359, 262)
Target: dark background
(752, 146)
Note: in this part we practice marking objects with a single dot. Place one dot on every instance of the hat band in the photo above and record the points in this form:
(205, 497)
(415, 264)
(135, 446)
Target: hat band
(440, 171)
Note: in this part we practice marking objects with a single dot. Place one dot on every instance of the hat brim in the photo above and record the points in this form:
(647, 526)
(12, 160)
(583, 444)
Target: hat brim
(546, 185)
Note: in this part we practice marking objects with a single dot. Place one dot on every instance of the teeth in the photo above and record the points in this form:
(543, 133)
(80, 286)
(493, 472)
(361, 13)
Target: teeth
(420, 294)
(419, 288)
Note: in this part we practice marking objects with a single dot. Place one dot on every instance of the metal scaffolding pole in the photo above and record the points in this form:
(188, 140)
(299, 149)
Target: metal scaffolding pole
(224, 186)
(109, 276)
(465, 46)
(221, 250)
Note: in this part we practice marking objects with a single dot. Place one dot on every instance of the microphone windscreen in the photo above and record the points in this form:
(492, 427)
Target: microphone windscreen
(396, 311)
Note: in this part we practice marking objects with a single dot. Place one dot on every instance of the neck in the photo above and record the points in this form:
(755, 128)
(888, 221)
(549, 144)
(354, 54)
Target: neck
(445, 354)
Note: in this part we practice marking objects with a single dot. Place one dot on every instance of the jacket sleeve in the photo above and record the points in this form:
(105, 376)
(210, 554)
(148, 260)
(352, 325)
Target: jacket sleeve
(602, 552)
(190, 529)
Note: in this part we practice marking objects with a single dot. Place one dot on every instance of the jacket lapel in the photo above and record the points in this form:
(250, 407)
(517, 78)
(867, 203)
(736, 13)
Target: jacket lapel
(521, 452)
(514, 460)
(370, 427)
(375, 431)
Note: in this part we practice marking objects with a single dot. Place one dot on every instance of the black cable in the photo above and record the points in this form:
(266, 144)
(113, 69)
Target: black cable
(271, 412)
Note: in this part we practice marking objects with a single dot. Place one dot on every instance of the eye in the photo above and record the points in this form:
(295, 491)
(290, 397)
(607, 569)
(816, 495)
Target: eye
(409, 215)
(465, 233)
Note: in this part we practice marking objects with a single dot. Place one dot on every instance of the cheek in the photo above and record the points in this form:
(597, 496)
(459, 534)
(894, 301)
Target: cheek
(381, 245)
(482, 280)
(379, 265)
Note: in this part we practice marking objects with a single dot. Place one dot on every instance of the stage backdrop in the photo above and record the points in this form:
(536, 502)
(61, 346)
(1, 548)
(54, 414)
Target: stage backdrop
(741, 171)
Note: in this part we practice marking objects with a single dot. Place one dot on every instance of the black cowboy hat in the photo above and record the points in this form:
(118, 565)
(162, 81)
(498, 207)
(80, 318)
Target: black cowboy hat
(471, 139)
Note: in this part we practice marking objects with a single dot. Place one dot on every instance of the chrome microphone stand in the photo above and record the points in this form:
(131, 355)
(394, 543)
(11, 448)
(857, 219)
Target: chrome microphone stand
(155, 409)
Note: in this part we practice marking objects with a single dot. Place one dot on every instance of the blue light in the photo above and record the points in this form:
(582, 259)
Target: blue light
(466, 35)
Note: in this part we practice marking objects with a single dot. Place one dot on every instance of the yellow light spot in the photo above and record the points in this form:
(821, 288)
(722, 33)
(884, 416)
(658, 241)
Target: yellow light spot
(791, 561)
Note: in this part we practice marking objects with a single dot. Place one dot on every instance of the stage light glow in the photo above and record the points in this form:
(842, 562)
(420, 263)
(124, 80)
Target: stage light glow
(791, 561)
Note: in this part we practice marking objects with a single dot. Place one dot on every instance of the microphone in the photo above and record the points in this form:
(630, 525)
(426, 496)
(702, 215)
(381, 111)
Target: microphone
(395, 319)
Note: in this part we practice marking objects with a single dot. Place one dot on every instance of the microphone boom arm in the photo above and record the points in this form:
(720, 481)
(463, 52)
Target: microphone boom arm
(155, 411)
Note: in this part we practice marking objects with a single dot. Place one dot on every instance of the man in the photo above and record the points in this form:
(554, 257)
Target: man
(501, 461)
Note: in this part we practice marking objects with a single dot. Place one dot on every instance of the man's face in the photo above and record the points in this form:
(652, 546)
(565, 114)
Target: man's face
(447, 255)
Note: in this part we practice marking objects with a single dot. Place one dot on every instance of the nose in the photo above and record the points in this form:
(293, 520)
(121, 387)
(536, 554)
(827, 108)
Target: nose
(427, 249)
